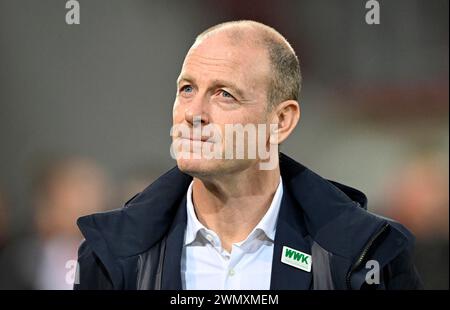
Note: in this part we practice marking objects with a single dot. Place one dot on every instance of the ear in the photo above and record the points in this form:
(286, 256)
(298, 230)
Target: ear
(286, 115)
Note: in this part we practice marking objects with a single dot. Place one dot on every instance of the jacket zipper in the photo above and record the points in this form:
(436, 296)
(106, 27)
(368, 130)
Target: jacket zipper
(363, 254)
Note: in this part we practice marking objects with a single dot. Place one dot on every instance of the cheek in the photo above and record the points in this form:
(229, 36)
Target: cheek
(237, 117)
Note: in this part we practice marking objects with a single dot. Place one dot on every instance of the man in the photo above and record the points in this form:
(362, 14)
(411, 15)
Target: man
(228, 222)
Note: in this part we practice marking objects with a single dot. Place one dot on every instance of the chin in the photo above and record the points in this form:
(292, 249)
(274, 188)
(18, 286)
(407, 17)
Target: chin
(211, 167)
(199, 167)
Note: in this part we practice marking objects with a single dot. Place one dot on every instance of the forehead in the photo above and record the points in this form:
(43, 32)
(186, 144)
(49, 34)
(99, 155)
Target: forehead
(219, 57)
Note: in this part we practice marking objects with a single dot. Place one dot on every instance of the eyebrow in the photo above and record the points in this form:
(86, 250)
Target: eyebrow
(184, 78)
(215, 83)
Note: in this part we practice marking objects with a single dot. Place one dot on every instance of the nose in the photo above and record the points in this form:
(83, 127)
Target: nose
(196, 115)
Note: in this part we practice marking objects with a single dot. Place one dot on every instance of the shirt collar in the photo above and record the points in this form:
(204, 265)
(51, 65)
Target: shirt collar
(193, 224)
(267, 224)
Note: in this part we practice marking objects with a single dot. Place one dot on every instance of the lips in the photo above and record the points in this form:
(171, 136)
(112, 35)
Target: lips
(194, 138)
(202, 139)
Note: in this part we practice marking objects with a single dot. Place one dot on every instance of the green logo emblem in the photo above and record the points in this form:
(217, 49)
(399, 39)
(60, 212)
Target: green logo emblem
(296, 258)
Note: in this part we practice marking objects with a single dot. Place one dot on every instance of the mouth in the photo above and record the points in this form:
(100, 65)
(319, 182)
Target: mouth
(194, 142)
(190, 145)
(205, 139)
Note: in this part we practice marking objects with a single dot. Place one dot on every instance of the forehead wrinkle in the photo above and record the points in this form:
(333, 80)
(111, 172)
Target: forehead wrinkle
(191, 78)
(193, 55)
(225, 64)
(216, 65)
(190, 67)
(211, 60)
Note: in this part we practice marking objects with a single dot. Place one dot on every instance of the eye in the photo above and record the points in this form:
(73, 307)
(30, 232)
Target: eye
(226, 94)
(186, 89)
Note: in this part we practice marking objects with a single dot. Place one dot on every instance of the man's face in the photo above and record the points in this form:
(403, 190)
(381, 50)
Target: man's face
(221, 83)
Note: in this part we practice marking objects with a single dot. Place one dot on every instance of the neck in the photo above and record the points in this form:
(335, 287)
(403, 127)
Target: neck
(233, 205)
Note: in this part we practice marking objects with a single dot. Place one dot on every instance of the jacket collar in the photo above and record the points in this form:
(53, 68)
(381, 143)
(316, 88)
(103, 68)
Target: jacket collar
(142, 222)
(333, 213)
(171, 275)
(291, 232)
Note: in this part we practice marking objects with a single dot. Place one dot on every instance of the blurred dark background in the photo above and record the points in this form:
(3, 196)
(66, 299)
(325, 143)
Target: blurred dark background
(85, 113)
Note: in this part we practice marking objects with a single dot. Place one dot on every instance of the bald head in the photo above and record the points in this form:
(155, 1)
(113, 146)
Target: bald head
(285, 79)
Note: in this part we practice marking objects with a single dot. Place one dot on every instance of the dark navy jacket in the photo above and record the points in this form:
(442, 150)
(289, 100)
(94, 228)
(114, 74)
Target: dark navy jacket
(139, 246)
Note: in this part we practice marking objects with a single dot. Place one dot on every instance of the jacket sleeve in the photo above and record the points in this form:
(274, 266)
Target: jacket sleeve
(91, 274)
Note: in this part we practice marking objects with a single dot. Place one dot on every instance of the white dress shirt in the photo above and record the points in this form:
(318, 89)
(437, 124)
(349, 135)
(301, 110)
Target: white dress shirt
(205, 265)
